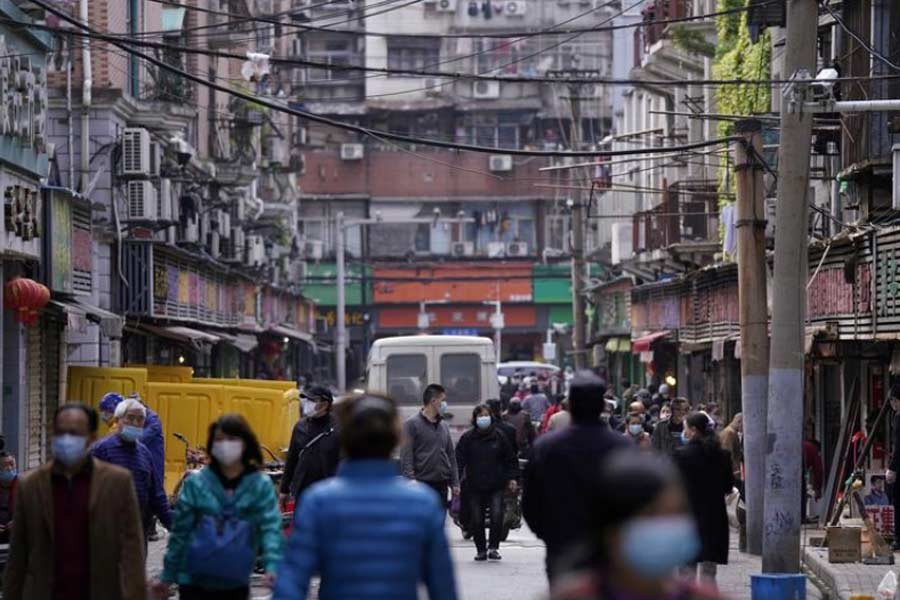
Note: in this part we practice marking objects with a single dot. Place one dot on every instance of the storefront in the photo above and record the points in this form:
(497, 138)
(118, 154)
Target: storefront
(656, 318)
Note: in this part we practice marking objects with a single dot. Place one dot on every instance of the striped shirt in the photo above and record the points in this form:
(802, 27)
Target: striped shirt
(137, 458)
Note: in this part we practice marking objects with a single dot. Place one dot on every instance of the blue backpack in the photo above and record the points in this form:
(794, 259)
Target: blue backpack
(222, 546)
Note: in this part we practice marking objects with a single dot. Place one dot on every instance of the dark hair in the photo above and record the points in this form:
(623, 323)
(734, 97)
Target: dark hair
(478, 408)
(627, 483)
(535, 389)
(431, 392)
(895, 390)
(586, 400)
(515, 407)
(91, 414)
(872, 479)
(495, 406)
(707, 428)
(235, 425)
(368, 426)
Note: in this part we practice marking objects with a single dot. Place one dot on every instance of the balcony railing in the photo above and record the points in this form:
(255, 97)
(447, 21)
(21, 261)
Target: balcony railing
(655, 16)
(687, 214)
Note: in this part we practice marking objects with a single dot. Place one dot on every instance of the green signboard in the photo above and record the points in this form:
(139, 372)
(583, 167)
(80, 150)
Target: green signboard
(320, 285)
(553, 283)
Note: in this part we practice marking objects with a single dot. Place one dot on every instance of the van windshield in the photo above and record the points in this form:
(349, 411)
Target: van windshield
(461, 376)
(406, 377)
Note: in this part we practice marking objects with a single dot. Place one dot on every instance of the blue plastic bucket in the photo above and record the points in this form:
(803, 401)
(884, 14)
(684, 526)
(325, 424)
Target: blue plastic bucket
(778, 587)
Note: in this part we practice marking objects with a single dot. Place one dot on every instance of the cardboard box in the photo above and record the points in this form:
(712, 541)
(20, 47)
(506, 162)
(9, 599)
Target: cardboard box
(844, 544)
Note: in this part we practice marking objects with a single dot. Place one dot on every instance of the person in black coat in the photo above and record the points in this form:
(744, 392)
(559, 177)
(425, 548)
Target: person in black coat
(314, 452)
(560, 477)
(890, 474)
(487, 466)
(706, 471)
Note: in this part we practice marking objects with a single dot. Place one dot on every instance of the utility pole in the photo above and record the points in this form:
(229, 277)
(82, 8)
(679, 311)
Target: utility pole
(783, 481)
(578, 226)
(340, 341)
(754, 316)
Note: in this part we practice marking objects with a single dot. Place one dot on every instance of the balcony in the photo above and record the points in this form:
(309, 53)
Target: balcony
(230, 32)
(685, 225)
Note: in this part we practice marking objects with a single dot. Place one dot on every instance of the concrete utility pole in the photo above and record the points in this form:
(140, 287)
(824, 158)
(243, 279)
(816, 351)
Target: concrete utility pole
(754, 315)
(781, 534)
(578, 226)
(340, 341)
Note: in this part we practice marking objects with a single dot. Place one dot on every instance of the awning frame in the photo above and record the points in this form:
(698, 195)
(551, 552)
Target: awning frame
(644, 343)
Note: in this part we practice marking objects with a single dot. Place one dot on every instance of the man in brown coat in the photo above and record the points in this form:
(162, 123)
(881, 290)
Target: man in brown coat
(731, 441)
(77, 528)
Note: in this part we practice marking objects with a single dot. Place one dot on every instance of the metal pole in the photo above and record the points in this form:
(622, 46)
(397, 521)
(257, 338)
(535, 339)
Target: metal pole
(578, 221)
(340, 357)
(781, 536)
(751, 259)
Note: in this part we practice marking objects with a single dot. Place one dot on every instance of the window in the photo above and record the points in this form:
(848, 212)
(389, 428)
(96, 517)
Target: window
(413, 54)
(558, 232)
(502, 130)
(406, 377)
(423, 237)
(505, 56)
(461, 377)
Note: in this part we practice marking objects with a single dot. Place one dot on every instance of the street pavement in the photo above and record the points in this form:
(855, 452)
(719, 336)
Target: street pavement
(520, 575)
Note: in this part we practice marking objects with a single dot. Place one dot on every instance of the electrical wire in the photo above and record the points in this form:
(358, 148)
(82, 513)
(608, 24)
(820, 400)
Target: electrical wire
(859, 39)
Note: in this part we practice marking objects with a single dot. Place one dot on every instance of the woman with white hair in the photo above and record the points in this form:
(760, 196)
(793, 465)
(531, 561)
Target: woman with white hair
(125, 449)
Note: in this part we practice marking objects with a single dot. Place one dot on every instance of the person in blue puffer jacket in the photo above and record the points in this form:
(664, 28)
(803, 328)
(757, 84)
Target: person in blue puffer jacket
(153, 437)
(369, 533)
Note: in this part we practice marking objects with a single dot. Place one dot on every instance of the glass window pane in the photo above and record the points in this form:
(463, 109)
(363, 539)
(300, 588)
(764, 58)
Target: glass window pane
(461, 376)
(406, 377)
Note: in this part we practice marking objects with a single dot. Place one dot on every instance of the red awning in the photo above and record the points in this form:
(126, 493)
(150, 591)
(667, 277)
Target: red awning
(642, 344)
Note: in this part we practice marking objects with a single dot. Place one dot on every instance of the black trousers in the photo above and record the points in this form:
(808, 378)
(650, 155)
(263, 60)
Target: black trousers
(190, 592)
(478, 503)
(897, 511)
(443, 490)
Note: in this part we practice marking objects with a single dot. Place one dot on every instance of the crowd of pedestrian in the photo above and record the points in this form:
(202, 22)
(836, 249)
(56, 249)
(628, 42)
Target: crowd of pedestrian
(627, 494)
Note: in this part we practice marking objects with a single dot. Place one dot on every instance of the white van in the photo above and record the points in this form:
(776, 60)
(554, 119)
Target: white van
(401, 367)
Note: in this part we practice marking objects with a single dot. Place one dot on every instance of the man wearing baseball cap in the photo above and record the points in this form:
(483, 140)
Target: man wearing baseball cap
(314, 452)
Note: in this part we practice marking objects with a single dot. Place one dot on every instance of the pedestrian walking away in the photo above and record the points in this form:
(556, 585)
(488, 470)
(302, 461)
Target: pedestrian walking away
(706, 470)
(368, 533)
(562, 419)
(521, 421)
(639, 536)
(488, 465)
(502, 426)
(314, 451)
(227, 515)
(561, 472)
(536, 404)
(9, 481)
(427, 454)
(76, 527)
(732, 442)
(667, 436)
(125, 449)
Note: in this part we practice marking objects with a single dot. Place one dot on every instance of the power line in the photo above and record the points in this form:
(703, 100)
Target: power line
(365, 130)
(861, 41)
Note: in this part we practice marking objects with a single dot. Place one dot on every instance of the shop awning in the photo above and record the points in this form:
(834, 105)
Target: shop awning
(642, 344)
(110, 323)
(185, 335)
(618, 345)
(292, 333)
(241, 341)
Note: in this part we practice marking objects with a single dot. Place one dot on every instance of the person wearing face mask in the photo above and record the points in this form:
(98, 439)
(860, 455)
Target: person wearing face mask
(227, 515)
(639, 536)
(314, 451)
(488, 466)
(77, 522)
(427, 453)
(368, 533)
(667, 436)
(634, 431)
(9, 479)
(125, 449)
(706, 471)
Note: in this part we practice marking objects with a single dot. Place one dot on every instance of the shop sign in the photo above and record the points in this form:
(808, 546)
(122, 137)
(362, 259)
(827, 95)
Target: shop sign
(831, 295)
(20, 212)
(351, 317)
(889, 282)
(23, 98)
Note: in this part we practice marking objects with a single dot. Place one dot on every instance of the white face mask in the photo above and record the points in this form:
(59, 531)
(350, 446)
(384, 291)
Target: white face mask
(228, 452)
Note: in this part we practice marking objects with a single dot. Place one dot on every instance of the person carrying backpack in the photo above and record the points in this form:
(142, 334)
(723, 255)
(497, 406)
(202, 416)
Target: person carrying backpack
(227, 515)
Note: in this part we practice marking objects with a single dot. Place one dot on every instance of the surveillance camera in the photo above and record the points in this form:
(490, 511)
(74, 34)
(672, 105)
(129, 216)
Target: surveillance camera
(436, 210)
(570, 203)
(378, 216)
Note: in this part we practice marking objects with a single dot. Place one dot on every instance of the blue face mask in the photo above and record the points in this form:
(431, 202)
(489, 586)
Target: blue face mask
(483, 422)
(69, 449)
(130, 433)
(445, 408)
(7, 476)
(684, 437)
(655, 546)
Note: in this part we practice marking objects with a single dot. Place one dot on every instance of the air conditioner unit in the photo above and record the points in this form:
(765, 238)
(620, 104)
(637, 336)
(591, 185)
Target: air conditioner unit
(445, 6)
(136, 152)
(432, 87)
(314, 249)
(500, 162)
(164, 203)
(462, 249)
(515, 8)
(256, 251)
(770, 218)
(191, 231)
(621, 242)
(156, 158)
(485, 90)
(496, 249)
(140, 197)
(352, 151)
(517, 249)
(301, 135)
(278, 151)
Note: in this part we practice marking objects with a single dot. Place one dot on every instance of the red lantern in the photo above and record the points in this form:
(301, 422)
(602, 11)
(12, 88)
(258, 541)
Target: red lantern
(26, 297)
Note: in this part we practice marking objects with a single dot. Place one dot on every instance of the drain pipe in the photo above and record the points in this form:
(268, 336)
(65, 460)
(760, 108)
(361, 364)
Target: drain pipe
(85, 99)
